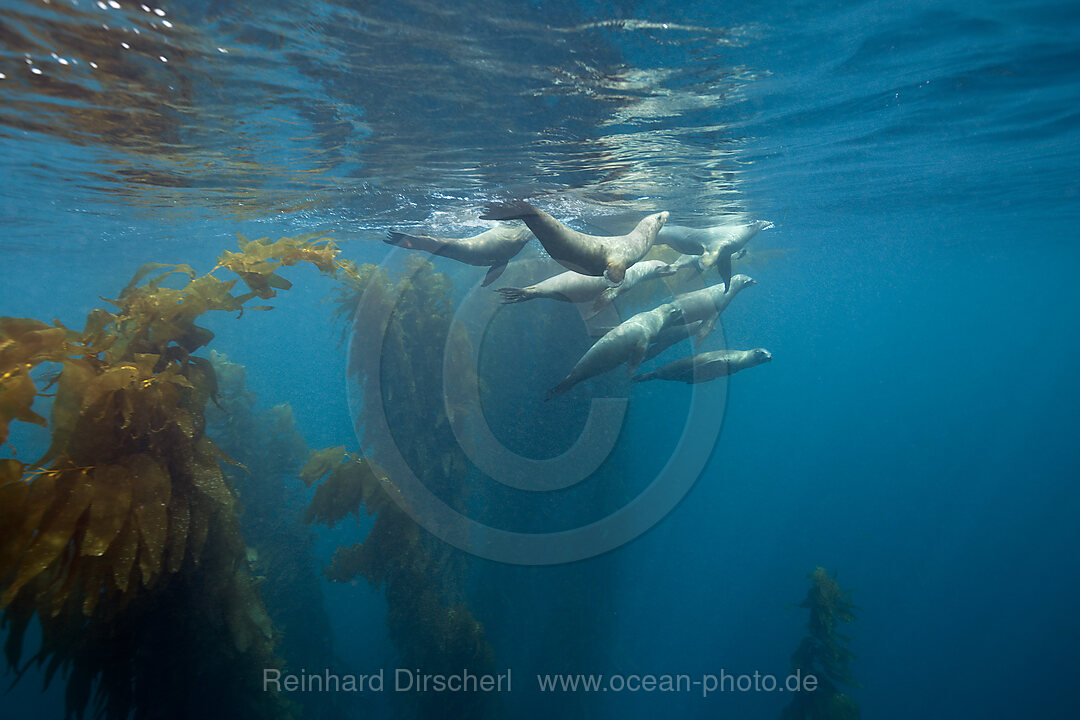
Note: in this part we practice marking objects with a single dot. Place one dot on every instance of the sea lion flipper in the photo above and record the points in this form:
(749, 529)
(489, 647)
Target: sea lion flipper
(493, 274)
(723, 266)
(636, 358)
(513, 295)
(615, 273)
(413, 242)
(605, 298)
(707, 326)
(507, 210)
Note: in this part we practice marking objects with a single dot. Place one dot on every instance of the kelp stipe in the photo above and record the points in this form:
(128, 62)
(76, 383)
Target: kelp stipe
(429, 630)
(429, 620)
(271, 449)
(824, 653)
(123, 539)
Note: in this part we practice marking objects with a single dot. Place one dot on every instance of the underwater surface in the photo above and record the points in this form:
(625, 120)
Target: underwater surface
(198, 491)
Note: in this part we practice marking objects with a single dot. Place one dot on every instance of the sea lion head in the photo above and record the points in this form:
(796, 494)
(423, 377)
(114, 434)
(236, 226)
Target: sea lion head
(740, 281)
(760, 355)
(671, 313)
(651, 224)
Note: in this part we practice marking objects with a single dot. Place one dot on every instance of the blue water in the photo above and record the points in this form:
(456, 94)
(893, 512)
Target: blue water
(915, 432)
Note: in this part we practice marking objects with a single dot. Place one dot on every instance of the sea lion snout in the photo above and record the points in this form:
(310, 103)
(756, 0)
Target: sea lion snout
(669, 269)
(762, 355)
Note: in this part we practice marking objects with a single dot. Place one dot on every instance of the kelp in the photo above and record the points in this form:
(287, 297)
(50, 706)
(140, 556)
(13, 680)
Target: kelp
(824, 653)
(347, 487)
(271, 451)
(123, 539)
(428, 618)
(428, 629)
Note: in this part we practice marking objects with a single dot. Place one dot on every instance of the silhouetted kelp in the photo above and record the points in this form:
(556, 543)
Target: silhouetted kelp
(430, 631)
(824, 653)
(429, 621)
(123, 539)
(271, 450)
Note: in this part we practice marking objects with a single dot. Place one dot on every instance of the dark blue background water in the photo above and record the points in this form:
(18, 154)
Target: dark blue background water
(915, 431)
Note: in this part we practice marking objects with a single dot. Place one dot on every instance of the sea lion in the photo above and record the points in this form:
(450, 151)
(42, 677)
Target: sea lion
(625, 343)
(715, 245)
(492, 247)
(568, 286)
(672, 335)
(707, 304)
(585, 254)
(637, 273)
(707, 366)
(574, 287)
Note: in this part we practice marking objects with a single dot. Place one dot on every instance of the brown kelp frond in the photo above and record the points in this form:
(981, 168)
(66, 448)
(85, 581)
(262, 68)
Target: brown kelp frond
(824, 653)
(25, 344)
(428, 629)
(128, 515)
(258, 261)
(348, 482)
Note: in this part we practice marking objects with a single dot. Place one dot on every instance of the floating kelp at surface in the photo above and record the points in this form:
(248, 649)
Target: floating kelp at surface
(824, 653)
(123, 539)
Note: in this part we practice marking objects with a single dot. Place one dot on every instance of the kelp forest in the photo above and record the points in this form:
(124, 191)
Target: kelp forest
(157, 542)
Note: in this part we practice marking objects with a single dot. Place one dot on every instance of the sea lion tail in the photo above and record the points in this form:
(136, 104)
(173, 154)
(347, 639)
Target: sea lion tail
(507, 210)
(643, 377)
(513, 295)
(567, 383)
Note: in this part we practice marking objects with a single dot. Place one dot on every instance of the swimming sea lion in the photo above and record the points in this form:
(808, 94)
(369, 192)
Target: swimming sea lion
(672, 335)
(568, 286)
(585, 254)
(715, 245)
(638, 272)
(707, 366)
(625, 343)
(707, 304)
(574, 287)
(492, 247)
